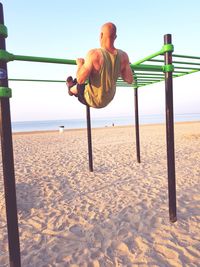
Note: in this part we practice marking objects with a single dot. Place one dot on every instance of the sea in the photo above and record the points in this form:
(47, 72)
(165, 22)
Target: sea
(52, 125)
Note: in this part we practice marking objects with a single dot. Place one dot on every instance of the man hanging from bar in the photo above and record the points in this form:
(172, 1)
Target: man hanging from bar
(101, 68)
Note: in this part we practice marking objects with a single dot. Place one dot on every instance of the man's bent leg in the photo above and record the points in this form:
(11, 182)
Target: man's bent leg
(78, 91)
(81, 89)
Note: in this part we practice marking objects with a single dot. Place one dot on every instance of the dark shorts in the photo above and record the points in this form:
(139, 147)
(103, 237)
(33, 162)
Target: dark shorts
(81, 89)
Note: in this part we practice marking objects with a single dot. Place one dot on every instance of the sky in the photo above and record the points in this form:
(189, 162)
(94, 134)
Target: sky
(69, 29)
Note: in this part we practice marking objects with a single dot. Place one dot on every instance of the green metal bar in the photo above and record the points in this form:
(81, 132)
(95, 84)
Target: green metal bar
(179, 71)
(73, 62)
(177, 62)
(146, 79)
(146, 67)
(147, 73)
(34, 80)
(153, 77)
(61, 81)
(119, 83)
(183, 56)
(143, 82)
(140, 82)
(10, 57)
(177, 67)
(44, 59)
(165, 48)
(187, 68)
(182, 74)
(176, 75)
(124, 84)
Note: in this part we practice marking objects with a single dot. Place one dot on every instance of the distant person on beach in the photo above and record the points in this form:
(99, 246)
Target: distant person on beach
(96, 77)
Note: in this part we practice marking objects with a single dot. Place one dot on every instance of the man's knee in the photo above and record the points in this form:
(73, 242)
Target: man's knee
(74, 90)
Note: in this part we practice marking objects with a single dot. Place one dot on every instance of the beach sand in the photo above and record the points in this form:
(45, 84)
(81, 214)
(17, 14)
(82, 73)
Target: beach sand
(116, 216)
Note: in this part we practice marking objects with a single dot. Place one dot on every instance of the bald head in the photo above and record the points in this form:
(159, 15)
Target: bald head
(109, 30)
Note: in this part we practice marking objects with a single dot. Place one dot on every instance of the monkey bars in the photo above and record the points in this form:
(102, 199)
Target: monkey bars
(180, 68)
(144, 74)
(159, 68)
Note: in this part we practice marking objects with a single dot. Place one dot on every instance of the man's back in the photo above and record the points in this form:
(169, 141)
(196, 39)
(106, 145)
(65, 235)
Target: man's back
(102, 81)
(97, 60)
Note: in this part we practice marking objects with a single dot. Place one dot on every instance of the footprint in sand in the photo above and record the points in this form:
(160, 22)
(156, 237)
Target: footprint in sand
(77, 230)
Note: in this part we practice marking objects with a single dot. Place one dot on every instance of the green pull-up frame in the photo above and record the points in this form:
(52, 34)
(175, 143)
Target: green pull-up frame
(144, 74)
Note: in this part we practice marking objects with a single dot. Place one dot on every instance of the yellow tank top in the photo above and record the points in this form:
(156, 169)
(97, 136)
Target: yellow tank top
(102, 86)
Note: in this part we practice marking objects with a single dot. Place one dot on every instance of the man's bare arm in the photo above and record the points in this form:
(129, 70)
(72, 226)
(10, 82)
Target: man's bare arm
(126, 71)
(84, 68)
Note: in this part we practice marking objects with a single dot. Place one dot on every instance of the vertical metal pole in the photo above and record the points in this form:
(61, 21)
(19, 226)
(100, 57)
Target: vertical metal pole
(170, 134)
(89, 139)
(137, 134)
(8, 164)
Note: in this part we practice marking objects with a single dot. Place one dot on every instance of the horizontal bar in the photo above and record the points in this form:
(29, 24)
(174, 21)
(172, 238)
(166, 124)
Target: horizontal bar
(59, 81)
(135, 66)
(179, 67)
(146, 67)
(179, 75)
(146, 77)
(34, 80)
(183, 56)
(177, 71)
(177, 62)
(146, 73)
(147, 80)
(143, 82)
(120, 82)
(73, 62)
(140, 83)
(175, 67)
(44, 59)
(186, 68)
(127, 84)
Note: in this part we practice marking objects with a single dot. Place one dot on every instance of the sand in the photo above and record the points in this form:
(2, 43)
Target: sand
(115, 216)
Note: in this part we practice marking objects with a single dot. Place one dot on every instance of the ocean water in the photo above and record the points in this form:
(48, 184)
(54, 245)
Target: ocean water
(29, 126)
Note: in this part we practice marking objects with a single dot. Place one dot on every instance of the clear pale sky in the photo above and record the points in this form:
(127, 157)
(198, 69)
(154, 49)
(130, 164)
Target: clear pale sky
(68, 29)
